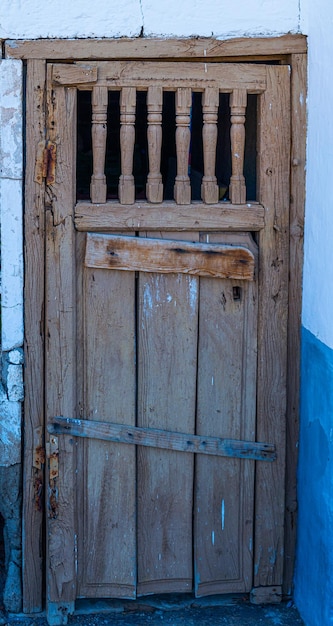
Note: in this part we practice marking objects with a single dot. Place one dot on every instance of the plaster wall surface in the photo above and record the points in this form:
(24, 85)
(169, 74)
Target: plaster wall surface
(314, 564)
(11, 160)
(11, 383)
(314, 569)
(168, 18)
(318, 267)
(11, 151)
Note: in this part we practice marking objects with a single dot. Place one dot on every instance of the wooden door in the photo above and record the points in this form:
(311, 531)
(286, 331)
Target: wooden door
(166, 331)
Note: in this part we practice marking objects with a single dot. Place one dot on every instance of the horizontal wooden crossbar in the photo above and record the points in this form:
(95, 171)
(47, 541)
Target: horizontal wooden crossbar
(168, 75)
(169, 216)
(156, 438)
(169, 256)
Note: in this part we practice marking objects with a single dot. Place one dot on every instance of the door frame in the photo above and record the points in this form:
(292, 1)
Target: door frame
(288, 49)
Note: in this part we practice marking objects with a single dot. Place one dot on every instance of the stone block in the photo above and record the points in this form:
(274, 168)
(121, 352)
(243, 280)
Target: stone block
(11, 119)
(15, 388)
(11, 263)
(16, 357)
(10, 431)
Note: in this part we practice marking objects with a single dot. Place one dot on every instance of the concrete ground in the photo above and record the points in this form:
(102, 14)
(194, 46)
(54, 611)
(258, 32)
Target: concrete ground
(166, 611)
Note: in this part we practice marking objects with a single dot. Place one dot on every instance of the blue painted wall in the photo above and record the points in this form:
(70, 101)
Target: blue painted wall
(314, 567)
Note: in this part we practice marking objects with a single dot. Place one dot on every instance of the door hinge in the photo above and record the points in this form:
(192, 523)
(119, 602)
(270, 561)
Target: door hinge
(46, 162)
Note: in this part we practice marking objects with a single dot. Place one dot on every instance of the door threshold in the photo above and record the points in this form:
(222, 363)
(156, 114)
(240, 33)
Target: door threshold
(152, 603)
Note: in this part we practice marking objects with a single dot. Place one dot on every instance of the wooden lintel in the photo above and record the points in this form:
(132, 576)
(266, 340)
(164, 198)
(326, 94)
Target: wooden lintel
(142, 48)
(166, 256)
(169, 217)
(156, 438)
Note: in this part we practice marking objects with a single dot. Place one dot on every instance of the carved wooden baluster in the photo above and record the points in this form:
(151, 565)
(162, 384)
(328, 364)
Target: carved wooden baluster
(99, 132)
(126, 187)
(154, 187)
(182, 188)
(210, 104)
(237, 188)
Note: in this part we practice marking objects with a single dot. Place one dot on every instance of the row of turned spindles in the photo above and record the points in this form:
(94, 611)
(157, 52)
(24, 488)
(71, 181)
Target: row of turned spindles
(154, 186)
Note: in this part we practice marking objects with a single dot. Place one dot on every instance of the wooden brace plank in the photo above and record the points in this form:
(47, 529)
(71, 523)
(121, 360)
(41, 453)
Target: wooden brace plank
(159, 48)
(168, 217)
(157, 438)
(166, 256)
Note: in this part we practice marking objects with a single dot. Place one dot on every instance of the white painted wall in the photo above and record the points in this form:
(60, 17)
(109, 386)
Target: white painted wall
(318, 248)
(11, 181)
(83, 18)
(11, 176)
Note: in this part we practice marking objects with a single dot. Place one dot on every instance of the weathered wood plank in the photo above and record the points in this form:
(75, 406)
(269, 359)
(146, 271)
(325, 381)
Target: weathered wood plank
(169, 75)
(33, 485)
(166, 256)
(167, 351)
(77, 74)
(60, 373)
(155, 48)
(107, 539)
(164, 439)
(297, 185)
(169, 217)
(226, 407)
(274, 158)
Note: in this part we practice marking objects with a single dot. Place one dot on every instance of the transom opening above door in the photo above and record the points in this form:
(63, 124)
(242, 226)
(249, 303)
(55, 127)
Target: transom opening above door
(168, 122)
(167, 150)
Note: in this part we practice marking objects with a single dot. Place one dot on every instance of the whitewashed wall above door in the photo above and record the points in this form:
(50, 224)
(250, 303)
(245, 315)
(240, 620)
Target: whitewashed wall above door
(169, 18)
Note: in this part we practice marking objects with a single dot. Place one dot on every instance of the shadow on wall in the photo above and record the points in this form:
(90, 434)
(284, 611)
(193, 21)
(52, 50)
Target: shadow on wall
(2, 562)
(10, 538)
(11, 397)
